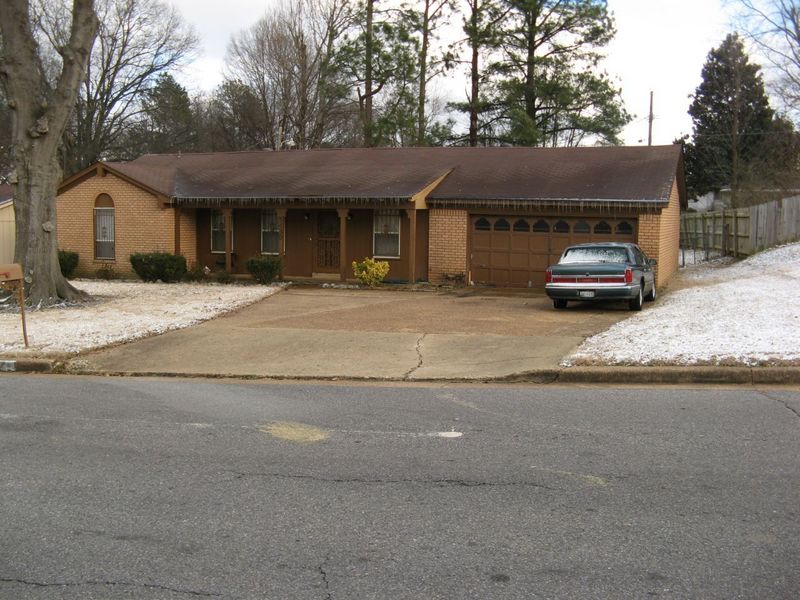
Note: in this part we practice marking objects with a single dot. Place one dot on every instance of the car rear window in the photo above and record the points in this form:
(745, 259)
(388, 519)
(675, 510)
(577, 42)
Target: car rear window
(599, 254)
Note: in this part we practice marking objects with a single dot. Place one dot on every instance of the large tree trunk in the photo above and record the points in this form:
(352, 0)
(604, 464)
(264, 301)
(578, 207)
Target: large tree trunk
(39, 113)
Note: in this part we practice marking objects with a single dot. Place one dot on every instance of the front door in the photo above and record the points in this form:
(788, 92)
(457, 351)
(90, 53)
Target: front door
(326, 242)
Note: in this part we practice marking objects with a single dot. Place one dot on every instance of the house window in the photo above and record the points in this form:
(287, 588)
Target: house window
(386, 234)
(270, 236)
(218, 232)
(104, 227)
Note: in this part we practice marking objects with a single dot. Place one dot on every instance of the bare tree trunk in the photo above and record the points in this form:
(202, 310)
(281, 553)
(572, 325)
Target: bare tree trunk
(423, 74)
(39, 117)
(368, 91)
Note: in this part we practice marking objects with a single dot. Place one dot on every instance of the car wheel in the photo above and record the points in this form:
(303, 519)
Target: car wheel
(651, 297)
(559, 303)
(636, 303)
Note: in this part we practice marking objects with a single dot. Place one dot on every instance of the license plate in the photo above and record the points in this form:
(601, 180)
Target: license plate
(586, 293)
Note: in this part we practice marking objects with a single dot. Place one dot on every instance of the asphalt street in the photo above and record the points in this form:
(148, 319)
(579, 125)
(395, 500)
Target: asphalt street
(167, 488)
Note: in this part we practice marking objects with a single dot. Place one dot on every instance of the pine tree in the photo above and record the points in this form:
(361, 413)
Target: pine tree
(734, 127)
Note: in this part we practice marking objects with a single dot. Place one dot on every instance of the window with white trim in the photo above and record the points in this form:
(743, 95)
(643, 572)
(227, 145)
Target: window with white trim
(218, 231)
(270, 235)
(386, 234)
(104, 228)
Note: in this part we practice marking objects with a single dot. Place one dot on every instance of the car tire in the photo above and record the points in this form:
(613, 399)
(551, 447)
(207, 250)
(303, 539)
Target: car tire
(651, 297)
(559, 303)
(636, 303)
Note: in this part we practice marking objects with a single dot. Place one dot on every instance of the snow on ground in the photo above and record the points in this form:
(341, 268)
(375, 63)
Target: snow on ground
(122, 311)
(746, 313)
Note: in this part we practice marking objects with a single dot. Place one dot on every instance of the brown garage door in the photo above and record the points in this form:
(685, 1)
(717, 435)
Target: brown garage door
(515, 250)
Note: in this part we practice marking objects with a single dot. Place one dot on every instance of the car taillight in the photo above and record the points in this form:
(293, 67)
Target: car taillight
(628, 275)
(548, 276)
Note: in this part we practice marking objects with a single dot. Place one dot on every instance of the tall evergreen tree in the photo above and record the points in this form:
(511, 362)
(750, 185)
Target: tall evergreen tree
(166, 123)
(736, 136)
(549, 89)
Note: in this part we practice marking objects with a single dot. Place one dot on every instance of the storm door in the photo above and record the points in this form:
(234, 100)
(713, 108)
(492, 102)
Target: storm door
(326, 243)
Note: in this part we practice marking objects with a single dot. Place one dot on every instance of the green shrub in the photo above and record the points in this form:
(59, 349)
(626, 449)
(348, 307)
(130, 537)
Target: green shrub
(264, 269)
(154, 266)
(224, 277)
(196, 273)
(68, 261)
(370, 271)
(106, 272)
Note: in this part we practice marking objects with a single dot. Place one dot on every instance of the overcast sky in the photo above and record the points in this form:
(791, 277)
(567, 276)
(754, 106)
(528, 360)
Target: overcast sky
(661, 45)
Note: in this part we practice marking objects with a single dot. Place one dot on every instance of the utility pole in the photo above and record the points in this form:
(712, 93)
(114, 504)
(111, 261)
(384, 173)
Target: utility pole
(650, 122)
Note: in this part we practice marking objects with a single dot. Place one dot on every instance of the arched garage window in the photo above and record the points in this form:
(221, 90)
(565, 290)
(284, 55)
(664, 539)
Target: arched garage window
(581, 227)
(561, 227)
(501, 225)
(482, 225)
(104, 227)
(521, 226)
(602, 227)
(624, 228)
(541, 226)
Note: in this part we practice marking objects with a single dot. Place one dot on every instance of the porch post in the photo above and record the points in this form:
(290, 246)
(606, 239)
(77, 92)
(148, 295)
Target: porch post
(281, 213)
(412, 245)
(227, 216)
(343, 266)
(177, 212)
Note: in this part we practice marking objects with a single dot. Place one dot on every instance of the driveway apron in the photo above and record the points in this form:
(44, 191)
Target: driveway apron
(332, 333)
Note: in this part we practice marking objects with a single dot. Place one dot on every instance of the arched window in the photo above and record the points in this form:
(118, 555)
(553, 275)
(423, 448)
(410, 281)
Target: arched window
(624, 228)
(561, 227)
(602, 227)
(541, 226)
(104, 227)
(521, 225)
(581, 227)
(482, 225)
(501, 225)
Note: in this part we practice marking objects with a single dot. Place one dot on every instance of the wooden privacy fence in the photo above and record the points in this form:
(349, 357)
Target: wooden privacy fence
(742, 231)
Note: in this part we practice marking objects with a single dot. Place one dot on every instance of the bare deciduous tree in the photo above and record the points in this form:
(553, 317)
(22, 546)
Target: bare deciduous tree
(286, 60)
(40, 108)
(137, 41)
(774, 26)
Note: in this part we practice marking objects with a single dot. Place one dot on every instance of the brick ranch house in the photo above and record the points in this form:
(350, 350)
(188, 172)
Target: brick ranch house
(495, 216)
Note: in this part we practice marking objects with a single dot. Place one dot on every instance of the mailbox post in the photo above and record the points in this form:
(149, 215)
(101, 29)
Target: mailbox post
(11, 279)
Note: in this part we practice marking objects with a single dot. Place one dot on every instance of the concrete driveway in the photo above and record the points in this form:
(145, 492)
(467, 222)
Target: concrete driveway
(315, 332)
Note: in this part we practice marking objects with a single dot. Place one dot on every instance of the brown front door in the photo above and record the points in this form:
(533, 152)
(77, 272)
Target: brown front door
(326, 242)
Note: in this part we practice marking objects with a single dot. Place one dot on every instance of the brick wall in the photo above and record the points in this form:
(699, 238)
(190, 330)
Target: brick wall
(447, 249)
(141, 225)
(659, 237)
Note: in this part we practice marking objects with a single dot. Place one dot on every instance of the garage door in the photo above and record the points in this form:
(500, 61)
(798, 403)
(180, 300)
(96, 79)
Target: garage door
(515, 250)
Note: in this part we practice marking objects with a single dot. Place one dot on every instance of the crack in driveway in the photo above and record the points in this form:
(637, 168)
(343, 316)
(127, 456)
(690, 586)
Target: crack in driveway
(437, 482)
(419, 357)
(324, 573)
(152, 586)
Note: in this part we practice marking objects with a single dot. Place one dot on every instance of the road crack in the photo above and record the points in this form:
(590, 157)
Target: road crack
(150, 586)
(324, 574)
(419, 357)
(444, 482)
(783, 403)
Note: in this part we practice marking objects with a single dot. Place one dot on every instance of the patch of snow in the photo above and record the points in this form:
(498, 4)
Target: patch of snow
(747, 313)
(122, 311)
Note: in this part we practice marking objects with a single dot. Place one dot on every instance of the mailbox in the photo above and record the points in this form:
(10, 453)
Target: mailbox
(11, 279)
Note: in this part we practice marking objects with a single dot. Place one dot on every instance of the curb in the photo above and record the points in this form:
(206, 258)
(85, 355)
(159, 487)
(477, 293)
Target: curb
(572, 375)
(26, 365)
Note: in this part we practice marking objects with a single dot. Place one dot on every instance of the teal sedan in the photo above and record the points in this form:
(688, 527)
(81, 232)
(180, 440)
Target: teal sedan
(602, 271)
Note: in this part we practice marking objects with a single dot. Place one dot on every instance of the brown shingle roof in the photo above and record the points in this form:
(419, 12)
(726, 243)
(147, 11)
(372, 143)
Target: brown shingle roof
(629, 174)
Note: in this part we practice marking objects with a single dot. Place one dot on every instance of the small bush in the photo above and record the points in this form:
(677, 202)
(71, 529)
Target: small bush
(370, 271)
(106, 272)
(224, 277)
(264, 269)
(154, 266)
(196, 273)
(68, 261)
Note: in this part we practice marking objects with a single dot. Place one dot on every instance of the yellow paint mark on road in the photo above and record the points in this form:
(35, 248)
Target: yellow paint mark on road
(592, 480)
(299, 433)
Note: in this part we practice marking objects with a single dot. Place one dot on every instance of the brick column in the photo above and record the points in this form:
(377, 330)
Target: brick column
(343, 266)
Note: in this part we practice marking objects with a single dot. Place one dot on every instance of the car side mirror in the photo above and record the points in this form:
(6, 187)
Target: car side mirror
(652, 262)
